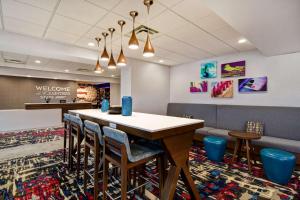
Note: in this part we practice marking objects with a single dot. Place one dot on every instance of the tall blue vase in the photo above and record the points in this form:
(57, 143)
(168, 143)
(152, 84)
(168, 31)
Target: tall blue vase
(105, 105)
(126, 106)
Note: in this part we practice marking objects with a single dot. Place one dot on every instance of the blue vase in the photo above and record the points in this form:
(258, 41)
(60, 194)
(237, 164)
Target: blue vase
(105, 105)
(126, 106)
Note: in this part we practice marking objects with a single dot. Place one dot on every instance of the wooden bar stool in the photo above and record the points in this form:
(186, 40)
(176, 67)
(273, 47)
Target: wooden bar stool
(119, 152)
(93, 141)
(66, 132)
(76, 131)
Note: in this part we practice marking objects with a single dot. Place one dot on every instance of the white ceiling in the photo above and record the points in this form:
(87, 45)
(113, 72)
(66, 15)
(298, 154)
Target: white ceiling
(188, 30)
(53, 65)
(272, 25)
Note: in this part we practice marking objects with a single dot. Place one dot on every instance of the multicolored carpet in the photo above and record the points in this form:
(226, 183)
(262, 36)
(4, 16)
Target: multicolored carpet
(14, 139)
(44, 176)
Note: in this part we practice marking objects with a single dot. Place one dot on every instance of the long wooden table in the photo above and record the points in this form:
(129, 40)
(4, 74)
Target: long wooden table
(175, 133)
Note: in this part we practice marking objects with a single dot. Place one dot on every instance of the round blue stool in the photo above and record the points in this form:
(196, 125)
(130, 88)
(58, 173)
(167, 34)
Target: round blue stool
(214, 147)
(278, 165)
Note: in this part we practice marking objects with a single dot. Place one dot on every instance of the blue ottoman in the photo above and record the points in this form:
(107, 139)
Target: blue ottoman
(214, 147)
(278, 165)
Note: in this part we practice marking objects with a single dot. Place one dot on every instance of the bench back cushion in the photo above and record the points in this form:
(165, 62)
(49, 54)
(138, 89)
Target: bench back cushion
(207, 112)
(279, 122)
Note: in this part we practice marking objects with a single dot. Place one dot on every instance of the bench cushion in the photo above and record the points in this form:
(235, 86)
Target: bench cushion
(220, 132)
(204, 130)
(280, 143)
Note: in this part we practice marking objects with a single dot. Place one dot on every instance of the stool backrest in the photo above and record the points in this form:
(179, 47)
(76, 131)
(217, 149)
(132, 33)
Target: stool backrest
(66, 117)
(95, 128)
(118, 136)
(76, 120)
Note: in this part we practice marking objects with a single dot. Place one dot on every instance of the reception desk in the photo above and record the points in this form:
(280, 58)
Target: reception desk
(63, 106)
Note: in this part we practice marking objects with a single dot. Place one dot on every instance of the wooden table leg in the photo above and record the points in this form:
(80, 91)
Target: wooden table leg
(178, 148)
(236, 148)
(248, 155)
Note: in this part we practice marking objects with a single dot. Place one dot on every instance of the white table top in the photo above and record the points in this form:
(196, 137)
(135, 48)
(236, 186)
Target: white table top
(142, 121)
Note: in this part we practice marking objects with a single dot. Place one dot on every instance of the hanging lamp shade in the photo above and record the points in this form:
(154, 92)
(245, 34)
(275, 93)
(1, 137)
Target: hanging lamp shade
(111, 63)
(133, 41)
(148, 49)
(98, 69)
(104, 56)
(121, 59)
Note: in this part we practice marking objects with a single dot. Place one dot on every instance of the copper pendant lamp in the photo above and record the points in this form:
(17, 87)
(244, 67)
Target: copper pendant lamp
(98, 69)
(104, 56)
(148, 49)
(111, 63)
(122, 59)
(133, 41)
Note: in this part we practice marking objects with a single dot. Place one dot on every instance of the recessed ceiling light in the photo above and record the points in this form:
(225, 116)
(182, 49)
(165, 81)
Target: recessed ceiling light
(91, 44)
(161, 61)
(112, 75)
(242, 40)
(37, 61)
(66, 70)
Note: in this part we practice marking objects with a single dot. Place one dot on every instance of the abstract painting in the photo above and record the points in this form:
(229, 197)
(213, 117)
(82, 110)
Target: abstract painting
(222, 89)
(259, 84)
(233, 69)
(208, 70)
(198, 86)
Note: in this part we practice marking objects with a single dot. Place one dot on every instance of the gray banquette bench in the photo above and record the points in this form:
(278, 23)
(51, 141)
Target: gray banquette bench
(282, 124)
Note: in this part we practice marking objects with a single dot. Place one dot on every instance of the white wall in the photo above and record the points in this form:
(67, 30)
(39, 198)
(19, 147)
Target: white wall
(115, 94)
(148, 84)
(12, 120)
(283, 80)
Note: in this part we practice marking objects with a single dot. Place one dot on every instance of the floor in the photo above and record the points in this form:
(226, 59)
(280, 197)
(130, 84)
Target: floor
(31, 167)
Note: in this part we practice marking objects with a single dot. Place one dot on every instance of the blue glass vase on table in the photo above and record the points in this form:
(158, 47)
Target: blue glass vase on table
(126, 106)
(105, 105)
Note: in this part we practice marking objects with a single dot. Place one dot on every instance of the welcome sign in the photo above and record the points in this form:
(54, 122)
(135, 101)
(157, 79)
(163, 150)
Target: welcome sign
(52, 92)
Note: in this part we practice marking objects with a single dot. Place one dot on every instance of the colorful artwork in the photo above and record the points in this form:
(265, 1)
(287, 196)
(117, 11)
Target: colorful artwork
(222, 89)
(253, 84)
(199, 86)
(208, 70)
(233, 69)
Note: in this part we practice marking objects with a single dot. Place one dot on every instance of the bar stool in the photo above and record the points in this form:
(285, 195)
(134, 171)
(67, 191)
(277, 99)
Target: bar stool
(66, 132)
(119, 152)
(76, 131)
(93, 141)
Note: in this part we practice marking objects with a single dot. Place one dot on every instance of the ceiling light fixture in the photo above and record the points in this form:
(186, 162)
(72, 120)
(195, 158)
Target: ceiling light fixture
(66, 70)
(98, 69)
(91, 44)
(133, 41)
(161, 61)
(37, 61)
(104, 56)
(122, 59)
(148, 49)
(242, 40)
(111, 63)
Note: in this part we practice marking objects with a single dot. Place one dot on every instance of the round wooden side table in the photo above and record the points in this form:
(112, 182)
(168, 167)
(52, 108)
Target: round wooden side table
(243, 138)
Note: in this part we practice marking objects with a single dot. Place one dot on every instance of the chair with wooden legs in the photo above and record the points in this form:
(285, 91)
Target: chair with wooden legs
(76, 131)
(119, 152)
(93, 141)
(66, 133)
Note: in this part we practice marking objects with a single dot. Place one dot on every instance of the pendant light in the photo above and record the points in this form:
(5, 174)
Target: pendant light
(104, 56)
(98, 69)
(148, 49)
(122, 59)
(111, 63)
(133, 41)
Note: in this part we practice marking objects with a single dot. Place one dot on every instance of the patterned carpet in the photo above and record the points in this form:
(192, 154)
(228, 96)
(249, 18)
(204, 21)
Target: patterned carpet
(45, 176)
